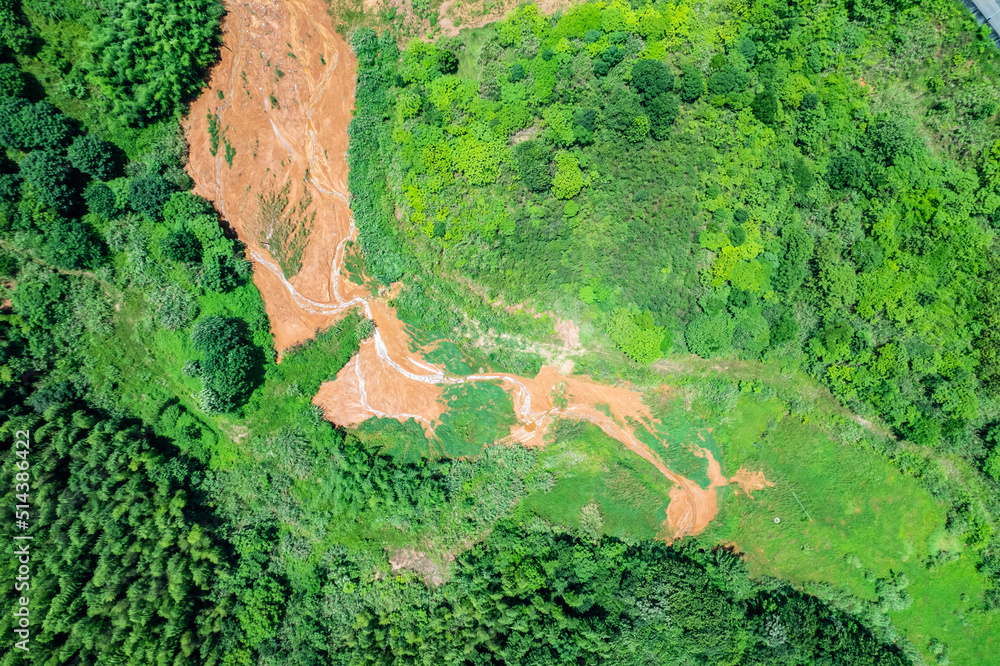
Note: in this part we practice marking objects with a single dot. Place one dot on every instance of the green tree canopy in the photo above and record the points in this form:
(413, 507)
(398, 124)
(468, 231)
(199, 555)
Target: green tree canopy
(662, 111)
(51, 175)
(765, 106)
(32, 126)
(636, 335)
(182, 245)
(143, 76)
(72, 244)
(710, 335)
(230, 364)
(651, 78)
(569, 179)
(100, 200)
(622, 110)
(11, 80)
(692, 83)
(92, 156)
(533, 162)
(148, 194)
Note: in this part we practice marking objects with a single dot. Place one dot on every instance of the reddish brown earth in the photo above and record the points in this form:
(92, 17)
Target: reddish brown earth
(453, 16)
(275, 146)
(7, 305)
(303, 142)
(749, 481)
(419, 562)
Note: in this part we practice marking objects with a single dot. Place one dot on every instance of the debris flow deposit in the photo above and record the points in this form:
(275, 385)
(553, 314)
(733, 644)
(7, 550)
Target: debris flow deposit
(268, 147)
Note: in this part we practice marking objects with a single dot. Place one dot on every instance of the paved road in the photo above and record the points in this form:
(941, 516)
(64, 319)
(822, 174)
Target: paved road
(990, 9)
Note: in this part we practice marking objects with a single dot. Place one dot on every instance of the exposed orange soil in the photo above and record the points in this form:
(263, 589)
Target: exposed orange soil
(366, 387)
(302, 142)
(569, 333)
(418, 561)
(450, 12)
(749, 481)
(7, 305)
(275, 146)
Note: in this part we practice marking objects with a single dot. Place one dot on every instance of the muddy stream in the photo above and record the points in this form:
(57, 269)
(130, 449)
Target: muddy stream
(287, 92)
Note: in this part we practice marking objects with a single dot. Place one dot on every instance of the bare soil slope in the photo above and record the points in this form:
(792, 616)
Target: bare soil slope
(287, 84)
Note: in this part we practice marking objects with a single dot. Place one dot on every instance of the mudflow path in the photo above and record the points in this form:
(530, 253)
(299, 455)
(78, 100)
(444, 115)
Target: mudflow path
(301, 142)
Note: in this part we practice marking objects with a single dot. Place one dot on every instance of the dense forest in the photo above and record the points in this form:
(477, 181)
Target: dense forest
(728, 188)
(189, 505)
(735, 194)
(810, 185)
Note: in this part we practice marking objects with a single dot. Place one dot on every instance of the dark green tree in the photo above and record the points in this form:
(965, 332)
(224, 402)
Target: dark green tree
(533, 164)
(42, 125)
(10, 186)
(447, 61)
(692, 84)
(727, 80)
(11, 127)
(847, 169)
(891, 137)
(988, 344)
(100, 200)
(793, 266)
(42, 299)
(607, 59)
(148, 194)
(182, 245)
(662, 111)
(166, 48)
(651, 78)
(14, 31)
(584, 124)
(784, 326)
(51, 175)
(623, 107)
(765, 106)
(92, 156)
(72, 244)
(11, 80)
(230, 363)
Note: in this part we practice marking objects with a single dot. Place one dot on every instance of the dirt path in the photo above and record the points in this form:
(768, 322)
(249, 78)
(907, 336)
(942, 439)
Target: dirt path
(301, 142)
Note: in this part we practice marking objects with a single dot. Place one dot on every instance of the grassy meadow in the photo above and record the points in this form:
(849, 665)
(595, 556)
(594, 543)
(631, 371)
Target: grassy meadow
(866, 521)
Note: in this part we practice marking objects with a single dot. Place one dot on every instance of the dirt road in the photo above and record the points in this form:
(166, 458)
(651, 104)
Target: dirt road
(287, 84)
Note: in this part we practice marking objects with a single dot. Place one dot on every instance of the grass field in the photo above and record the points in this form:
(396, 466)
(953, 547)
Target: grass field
(590, 466)
(866, 521)
(680, 434)
(478, 414)
(143, 372)
(468, 66)
(451, 357)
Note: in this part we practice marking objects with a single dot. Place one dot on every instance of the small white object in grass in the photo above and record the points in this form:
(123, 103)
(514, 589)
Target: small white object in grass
(777, 520)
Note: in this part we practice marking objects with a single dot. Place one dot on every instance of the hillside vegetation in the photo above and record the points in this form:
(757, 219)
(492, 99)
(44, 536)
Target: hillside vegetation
(189, 505)
(812, 186)
(727, 184)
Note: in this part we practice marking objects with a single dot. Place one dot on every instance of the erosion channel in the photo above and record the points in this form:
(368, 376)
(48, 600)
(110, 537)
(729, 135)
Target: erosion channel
(272, 128)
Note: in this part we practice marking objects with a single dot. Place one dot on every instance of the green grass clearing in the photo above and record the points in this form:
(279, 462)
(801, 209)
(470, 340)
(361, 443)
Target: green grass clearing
(590, 466)
(866, 516)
